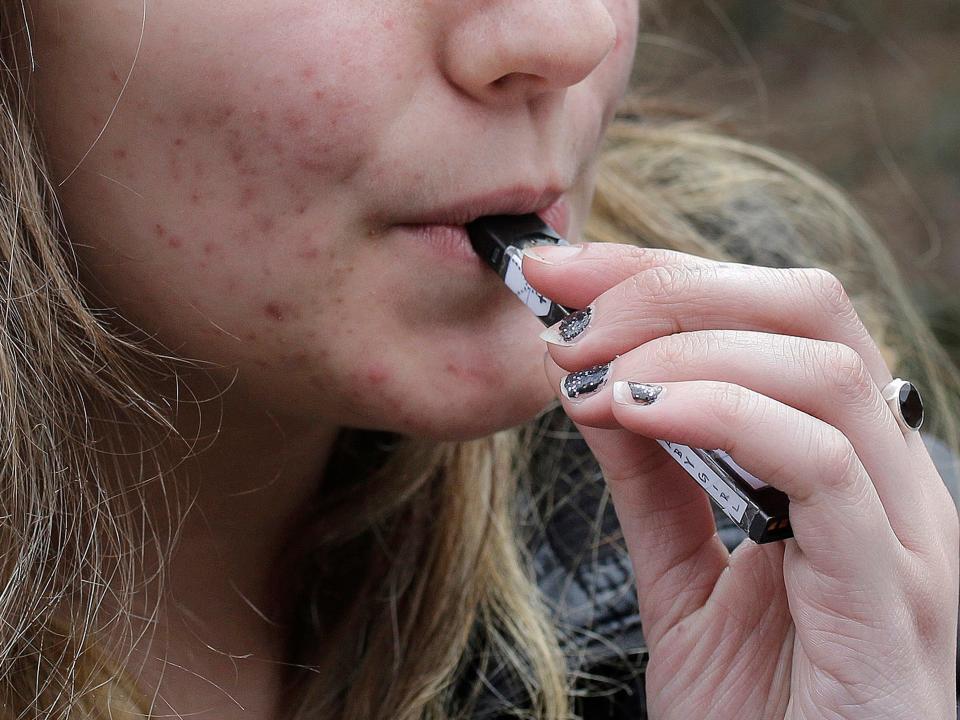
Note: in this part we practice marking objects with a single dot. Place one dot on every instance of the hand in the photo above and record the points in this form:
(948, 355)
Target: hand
(854, 617)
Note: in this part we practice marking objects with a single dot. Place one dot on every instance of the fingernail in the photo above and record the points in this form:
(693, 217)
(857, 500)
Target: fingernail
(552, 254)
(564, 332)
(626, 392)
(584, 382)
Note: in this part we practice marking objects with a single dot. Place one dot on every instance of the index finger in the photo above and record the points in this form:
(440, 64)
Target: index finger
(600, 266)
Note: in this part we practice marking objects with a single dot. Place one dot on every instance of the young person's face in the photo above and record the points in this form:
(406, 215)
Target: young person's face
(243, 201)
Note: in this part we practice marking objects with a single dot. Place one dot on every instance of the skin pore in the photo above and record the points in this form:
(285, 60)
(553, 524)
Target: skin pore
(231, 175)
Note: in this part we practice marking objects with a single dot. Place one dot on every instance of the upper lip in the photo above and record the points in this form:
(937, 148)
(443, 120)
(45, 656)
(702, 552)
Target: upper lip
(515, 200)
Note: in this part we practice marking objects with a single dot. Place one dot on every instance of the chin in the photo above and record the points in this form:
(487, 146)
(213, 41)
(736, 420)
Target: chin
(463, 415)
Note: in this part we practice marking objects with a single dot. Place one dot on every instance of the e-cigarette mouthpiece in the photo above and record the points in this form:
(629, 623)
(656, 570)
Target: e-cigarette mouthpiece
(500, 240)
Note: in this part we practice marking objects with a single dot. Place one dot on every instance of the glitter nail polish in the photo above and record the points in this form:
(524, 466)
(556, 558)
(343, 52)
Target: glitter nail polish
(574, 324)
(636, 393)
(584, 382)
(564, 332)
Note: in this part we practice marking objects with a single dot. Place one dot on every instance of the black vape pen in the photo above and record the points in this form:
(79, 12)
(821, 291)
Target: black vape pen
(758, 509)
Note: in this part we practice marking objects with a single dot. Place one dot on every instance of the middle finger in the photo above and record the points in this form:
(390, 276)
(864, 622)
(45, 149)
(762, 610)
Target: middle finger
(823, 379)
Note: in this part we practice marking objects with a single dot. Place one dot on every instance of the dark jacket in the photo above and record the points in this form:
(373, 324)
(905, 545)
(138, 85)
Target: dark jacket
(590, 585)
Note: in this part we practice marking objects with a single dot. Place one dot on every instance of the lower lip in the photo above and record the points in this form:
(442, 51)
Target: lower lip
(453, 241)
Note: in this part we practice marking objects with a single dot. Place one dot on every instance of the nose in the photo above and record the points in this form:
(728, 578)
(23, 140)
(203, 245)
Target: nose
(517, 49)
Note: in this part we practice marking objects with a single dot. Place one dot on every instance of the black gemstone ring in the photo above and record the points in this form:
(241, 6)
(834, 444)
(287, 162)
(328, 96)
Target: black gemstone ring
(904, 400)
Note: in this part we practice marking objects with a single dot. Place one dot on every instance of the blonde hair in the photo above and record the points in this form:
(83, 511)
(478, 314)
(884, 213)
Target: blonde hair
(426, 547)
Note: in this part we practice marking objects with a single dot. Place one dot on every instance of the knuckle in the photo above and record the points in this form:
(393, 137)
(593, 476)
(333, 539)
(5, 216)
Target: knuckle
(845, 373)
(674, 353)
(734, 405)
(663, 282)
(830, 291)
(932, 614)
(945, 563)
(637, 258)
(837, 461)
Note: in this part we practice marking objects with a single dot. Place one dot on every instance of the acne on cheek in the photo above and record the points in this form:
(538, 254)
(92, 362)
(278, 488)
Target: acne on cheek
(174, 241)
(274, 153)
(470, 374)
(377, 374)
(301, 128)
(272, 159)
(279, 311)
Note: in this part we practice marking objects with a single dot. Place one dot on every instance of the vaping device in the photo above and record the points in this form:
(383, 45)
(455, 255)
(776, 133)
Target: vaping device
(758, 509)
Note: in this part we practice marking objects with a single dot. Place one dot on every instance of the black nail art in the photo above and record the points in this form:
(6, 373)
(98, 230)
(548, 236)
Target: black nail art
(643, 393)
(574, 324)
(586, 381)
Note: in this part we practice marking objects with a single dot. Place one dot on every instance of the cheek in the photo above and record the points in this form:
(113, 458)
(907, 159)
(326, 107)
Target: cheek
(217, 209)
(220, 197)
(269, 169)
(275, 142)
(293, 129)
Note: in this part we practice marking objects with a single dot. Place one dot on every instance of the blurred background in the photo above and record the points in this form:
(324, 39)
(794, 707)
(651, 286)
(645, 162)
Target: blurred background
(867, 91)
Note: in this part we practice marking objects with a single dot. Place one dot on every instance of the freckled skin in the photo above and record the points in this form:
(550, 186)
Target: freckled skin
(258, 151)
